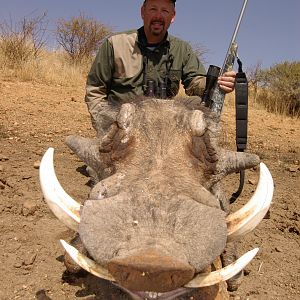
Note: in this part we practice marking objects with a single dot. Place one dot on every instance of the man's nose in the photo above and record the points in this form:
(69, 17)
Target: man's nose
(158, 14)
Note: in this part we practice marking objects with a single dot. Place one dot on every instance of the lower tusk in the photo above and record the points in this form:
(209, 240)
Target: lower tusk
(86, 263)
(62, 205)
(250, 215)
(208, 279)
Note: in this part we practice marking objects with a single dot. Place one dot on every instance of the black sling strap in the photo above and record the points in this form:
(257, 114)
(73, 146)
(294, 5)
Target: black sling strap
(241, 110)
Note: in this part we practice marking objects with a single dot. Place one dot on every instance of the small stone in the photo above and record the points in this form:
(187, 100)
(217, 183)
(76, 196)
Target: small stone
(73, 99)
(3, 158)
(29, 208)
(37, 164)
(293, 168)
(252, 181)
(30, 260)
(246, 272)
(278, 249)
(17, 265)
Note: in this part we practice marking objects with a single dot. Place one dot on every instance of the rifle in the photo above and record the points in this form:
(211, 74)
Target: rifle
(214, 96)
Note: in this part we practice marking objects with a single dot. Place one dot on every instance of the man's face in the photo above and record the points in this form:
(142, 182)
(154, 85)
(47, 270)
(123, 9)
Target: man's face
(157, 16)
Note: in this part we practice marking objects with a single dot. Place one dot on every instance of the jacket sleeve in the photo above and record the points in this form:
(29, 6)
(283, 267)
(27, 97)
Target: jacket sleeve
(192, 75)
(99, 80)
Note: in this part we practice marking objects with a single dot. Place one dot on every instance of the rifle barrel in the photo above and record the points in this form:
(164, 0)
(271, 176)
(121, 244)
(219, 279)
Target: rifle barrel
(237, 27)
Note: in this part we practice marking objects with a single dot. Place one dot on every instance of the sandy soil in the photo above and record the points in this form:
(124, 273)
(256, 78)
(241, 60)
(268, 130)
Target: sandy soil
(34, 117)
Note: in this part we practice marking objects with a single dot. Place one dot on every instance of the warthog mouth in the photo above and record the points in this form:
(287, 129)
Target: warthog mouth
(238, 223)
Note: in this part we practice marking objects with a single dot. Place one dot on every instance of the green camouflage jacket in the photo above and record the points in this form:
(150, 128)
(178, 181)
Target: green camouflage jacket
(124, 64)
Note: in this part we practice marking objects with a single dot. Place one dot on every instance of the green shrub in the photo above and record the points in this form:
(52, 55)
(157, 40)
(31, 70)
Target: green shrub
(280, 88)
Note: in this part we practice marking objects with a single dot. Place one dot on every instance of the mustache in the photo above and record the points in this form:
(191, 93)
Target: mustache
(158, 21)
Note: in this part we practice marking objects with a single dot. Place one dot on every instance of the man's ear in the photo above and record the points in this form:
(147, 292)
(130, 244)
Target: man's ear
(142, 12)
(173, 19)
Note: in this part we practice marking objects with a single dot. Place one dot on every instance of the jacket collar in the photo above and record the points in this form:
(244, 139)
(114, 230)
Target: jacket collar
(142, 40)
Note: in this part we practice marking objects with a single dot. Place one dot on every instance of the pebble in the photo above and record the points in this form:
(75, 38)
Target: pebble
(30, 260)
(252, 181)
(3, 158)
(246, 272)
(18, 265)
(37, 164)
(29, 208)
(293, 169)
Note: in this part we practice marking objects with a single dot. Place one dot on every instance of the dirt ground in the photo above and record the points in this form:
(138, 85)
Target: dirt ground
(34, 117)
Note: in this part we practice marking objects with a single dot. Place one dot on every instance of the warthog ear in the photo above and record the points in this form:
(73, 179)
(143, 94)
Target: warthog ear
(115, 142)
(125, 116)
(197, 123)
(204, 139)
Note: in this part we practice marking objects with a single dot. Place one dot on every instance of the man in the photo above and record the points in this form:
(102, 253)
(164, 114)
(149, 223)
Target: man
(127, 62)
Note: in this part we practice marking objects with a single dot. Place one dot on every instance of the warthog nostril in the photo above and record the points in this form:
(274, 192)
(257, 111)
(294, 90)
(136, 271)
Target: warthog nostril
(150, 270)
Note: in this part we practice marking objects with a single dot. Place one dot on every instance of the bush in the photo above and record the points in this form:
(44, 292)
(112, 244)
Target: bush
(22, 41)
(280, 88)
(80, 37)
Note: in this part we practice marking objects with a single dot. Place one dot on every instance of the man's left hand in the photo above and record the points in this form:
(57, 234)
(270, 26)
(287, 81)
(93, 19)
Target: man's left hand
(227, 81)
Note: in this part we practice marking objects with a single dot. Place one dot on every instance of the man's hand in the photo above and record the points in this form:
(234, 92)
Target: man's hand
(227, 81)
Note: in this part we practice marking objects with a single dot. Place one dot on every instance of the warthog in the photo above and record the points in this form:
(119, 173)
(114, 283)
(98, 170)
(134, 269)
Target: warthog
(157, 220)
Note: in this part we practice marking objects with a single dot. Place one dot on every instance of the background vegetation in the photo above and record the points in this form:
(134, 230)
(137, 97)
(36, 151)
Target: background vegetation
(278, 88)
(23, 55)
(23, 52)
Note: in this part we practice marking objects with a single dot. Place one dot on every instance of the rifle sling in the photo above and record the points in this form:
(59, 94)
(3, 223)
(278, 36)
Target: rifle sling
(241, 110)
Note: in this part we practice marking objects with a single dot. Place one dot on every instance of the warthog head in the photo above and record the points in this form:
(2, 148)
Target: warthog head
(158, 219)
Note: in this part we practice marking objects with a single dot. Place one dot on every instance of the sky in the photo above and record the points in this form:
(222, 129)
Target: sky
(269, 32)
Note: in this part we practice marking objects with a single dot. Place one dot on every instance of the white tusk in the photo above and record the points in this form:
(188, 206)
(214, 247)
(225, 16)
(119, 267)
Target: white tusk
(249, 216)
(208, 279)
(86, 263)
(62, 205)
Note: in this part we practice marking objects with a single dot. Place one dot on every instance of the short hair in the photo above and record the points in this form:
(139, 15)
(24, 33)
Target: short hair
(171, 0)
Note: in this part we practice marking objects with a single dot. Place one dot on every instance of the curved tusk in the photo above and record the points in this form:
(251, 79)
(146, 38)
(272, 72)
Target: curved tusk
(62, 205)
(86, 263)
(208, 279)
(249, 216)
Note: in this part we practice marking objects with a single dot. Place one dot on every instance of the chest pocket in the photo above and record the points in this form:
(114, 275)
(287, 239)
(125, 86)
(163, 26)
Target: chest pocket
(173, 82)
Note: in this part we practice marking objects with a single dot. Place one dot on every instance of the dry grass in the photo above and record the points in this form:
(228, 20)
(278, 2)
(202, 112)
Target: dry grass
(49, 68)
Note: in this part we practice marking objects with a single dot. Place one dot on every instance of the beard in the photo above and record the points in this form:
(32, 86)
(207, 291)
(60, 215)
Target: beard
(157, 27)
